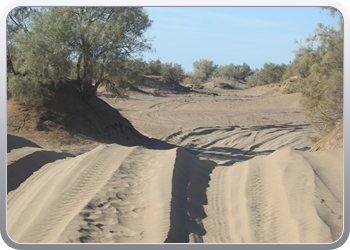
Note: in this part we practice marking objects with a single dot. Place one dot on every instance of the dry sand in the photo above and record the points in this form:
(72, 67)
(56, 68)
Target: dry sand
(238, 171)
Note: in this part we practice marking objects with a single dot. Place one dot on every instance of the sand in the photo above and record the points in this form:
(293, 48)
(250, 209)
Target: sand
(236, 170)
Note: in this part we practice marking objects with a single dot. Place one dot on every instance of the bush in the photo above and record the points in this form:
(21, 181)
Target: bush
(24, 88)
(154, 67)
(204, 67)
(322, 89)
(168, 70)
(195, 78)
(173, 72)
(270, 73)
(238, 72)
(293, 87)
(156, 92)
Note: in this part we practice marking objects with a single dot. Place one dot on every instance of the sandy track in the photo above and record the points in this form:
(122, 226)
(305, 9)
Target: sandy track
(277, 198)
(112, 194)
(227, 145)
(139, 195)
(237, 171)
(160, 117)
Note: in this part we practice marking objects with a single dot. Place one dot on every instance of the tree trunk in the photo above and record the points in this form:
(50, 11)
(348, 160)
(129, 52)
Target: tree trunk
(10, 67)
(87, 89)
(78, 66)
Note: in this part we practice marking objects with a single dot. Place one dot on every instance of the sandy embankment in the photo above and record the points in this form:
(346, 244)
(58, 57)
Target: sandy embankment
(239, 172)
(110, 194)
(134, 194)
(289, 196)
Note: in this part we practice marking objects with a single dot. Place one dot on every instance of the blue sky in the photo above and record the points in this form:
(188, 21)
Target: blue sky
(225, 35)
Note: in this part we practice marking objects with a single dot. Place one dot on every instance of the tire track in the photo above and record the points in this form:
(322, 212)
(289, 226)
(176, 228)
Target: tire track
(56, 211)
(121, 210)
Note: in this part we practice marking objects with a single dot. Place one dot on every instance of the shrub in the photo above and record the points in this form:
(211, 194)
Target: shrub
(195, 78)
(204, 67)
(238, 72)
(156, 92)
(154, 67)
(173, 71)
(322, 89)
(270, 73)
(24, 88)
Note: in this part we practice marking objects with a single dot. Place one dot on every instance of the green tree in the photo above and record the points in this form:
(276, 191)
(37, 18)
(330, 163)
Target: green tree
(173, 71)
(18, 21)
(98, 39)
(238, 72)
(205, 67)
(322, 89)
(154, 67)
(270, 73)
(319, 67)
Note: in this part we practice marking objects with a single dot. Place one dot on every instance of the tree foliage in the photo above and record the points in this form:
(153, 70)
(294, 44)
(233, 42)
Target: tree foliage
(238, 72)
(98, 41)
(205, 67)
(170, 70)
(322, 89)
(270, 73)
(319, 67)
(154, 67)
(173, 71)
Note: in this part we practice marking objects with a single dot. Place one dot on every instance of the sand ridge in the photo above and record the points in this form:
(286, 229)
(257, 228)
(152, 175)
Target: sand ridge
(279, 197)
(125, 194)
(228, 169)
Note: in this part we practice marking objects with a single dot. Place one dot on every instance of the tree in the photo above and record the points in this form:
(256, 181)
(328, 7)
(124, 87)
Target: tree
(18, 21)
(270, 73)
(204, 66)
(322, 89)
(154, 67)
(98, 39)
(173, 71)
(238, 72)
(319, 67)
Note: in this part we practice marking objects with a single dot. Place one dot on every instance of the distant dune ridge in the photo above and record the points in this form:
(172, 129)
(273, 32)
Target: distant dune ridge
(124, 194)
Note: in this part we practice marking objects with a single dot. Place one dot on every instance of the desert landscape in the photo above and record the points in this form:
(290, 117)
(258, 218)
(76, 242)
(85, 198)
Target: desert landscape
(220, 166)
(108, 144)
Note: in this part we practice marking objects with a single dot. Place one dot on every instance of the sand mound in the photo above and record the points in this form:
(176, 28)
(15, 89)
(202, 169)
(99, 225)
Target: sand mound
(271, 89)
(226, 145)
(333, 140)
(14, 142)
(289, 196)
(64, 120)
(111, 194)
(126, 194)
(165, 85)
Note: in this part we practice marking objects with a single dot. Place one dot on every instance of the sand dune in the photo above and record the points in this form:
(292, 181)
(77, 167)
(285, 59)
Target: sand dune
(289, 196)
(230, 144)
(229, 169)
(137, 195)
(161, 117)
(111, 194)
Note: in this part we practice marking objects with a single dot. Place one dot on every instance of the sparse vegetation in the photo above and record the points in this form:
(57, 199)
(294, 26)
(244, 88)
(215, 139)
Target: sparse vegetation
(195, 78)
(172, 71)
(237, 72)
(270, 73)
(205, 67)
(156, 92)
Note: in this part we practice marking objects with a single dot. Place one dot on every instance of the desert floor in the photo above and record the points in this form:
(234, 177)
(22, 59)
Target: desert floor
(236, 169)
